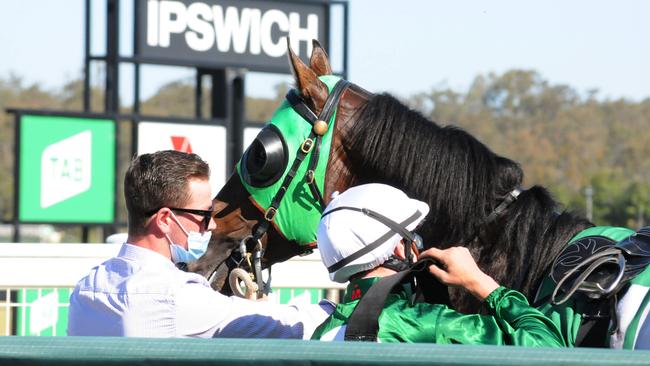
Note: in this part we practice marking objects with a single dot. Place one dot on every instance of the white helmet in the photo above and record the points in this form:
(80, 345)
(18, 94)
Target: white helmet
(360, 228)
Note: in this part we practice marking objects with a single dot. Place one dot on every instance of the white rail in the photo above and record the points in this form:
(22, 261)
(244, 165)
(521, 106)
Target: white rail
(62, 265)
(35, 280)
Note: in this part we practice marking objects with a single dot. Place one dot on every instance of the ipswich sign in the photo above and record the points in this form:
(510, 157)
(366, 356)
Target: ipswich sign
(222, 33)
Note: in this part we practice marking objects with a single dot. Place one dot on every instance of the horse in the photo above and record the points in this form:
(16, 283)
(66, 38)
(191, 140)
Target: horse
(475, 195)
(375, 138)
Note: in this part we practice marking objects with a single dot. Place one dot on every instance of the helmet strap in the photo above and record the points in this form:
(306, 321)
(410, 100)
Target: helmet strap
(396, 264)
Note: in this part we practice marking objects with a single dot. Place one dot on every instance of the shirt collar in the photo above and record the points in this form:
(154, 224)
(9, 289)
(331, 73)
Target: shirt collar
(140, 254)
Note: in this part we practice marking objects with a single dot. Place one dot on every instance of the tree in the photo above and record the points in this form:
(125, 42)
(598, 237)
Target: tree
(562, 140)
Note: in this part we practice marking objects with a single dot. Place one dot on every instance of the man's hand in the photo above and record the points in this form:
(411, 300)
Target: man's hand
(456, 267)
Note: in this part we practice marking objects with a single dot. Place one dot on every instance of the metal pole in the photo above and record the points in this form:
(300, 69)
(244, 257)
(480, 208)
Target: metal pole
(238, 116)
(198, 95)
(346, 32)
(86, 95)
(221, 103)
(111, 97)
(84, 233)
(136, 65)
(111, 101)
(16, 233)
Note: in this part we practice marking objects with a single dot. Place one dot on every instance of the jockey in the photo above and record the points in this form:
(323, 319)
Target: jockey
(360, 239)
(142, 293)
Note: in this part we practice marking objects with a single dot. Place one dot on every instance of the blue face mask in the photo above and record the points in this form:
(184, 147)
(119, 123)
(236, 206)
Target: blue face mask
(197, 245)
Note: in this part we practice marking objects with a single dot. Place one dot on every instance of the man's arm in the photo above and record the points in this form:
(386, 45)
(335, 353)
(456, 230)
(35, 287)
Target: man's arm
(202, 312)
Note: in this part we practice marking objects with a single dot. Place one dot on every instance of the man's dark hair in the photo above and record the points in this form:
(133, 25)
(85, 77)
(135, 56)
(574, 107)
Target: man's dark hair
(159, 180)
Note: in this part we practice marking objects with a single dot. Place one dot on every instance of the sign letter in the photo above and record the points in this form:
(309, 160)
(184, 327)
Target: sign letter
(298, 34)
(268, 19)
(152, 23)
(173, 19)
(201, 38)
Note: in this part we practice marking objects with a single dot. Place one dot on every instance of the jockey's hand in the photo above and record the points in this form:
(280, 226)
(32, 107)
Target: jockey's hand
(456, 267)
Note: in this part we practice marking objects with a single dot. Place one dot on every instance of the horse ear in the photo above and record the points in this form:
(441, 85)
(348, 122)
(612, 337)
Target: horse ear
(319, 60)
(311, 88)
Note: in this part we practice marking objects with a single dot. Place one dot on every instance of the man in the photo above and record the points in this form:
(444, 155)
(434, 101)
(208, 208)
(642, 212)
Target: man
(360, 239)
(140, 292)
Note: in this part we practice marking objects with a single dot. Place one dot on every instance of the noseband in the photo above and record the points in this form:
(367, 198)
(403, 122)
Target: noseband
(320, 125)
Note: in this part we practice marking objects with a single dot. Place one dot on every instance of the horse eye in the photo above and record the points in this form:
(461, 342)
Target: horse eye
(265, 160)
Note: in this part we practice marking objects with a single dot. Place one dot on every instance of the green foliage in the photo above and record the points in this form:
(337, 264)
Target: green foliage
(173, 99)
(563, 141)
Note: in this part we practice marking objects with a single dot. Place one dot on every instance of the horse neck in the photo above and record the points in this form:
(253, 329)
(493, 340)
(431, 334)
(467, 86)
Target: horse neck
(462, 181)
(386, 142)
(519, 250)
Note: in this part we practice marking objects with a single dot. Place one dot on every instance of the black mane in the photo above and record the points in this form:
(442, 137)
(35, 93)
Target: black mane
(462, 180)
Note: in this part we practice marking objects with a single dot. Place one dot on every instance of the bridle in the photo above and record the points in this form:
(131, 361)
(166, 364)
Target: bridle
(498, 211)
(311, 145)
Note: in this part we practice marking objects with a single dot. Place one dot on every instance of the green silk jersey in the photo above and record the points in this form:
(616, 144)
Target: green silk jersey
(513, 320)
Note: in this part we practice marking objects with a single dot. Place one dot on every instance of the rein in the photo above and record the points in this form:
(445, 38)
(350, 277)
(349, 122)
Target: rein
(320, 125)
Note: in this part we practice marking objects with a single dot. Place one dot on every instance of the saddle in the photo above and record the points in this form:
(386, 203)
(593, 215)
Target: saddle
(598, 267)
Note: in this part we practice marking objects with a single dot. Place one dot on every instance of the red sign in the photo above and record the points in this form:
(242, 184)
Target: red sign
(182, 144)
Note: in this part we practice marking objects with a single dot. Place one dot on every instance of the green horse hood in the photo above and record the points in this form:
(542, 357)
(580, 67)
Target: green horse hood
(299, 212)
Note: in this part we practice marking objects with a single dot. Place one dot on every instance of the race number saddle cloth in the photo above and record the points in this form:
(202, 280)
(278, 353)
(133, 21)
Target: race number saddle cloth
(593, 271)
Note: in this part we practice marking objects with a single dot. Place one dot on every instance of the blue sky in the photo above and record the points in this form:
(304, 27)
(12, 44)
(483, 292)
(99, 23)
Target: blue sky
(404, 47)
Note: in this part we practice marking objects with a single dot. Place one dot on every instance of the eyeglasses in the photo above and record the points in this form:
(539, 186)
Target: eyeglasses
(207, 214)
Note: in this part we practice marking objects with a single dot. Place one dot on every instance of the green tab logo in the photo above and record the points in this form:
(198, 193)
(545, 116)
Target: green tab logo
(66, 169)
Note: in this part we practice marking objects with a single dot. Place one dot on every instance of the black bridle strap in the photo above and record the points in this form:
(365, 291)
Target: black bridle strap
(300, 107)
(497, 212)
(509, 199)
(333, 100)
(310, 175)
(313, 140)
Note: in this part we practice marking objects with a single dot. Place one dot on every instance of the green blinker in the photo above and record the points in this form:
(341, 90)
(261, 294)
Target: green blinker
(299, 212)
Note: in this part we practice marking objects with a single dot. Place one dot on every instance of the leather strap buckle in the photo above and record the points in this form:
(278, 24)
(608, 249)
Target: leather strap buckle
(309, 177)
(307, 145)
(270, 213)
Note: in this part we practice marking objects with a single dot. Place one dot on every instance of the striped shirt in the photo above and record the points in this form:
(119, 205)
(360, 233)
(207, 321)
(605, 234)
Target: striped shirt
(140, 293)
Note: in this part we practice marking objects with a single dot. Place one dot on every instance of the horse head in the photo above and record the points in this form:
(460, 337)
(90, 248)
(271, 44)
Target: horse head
(279, 188)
